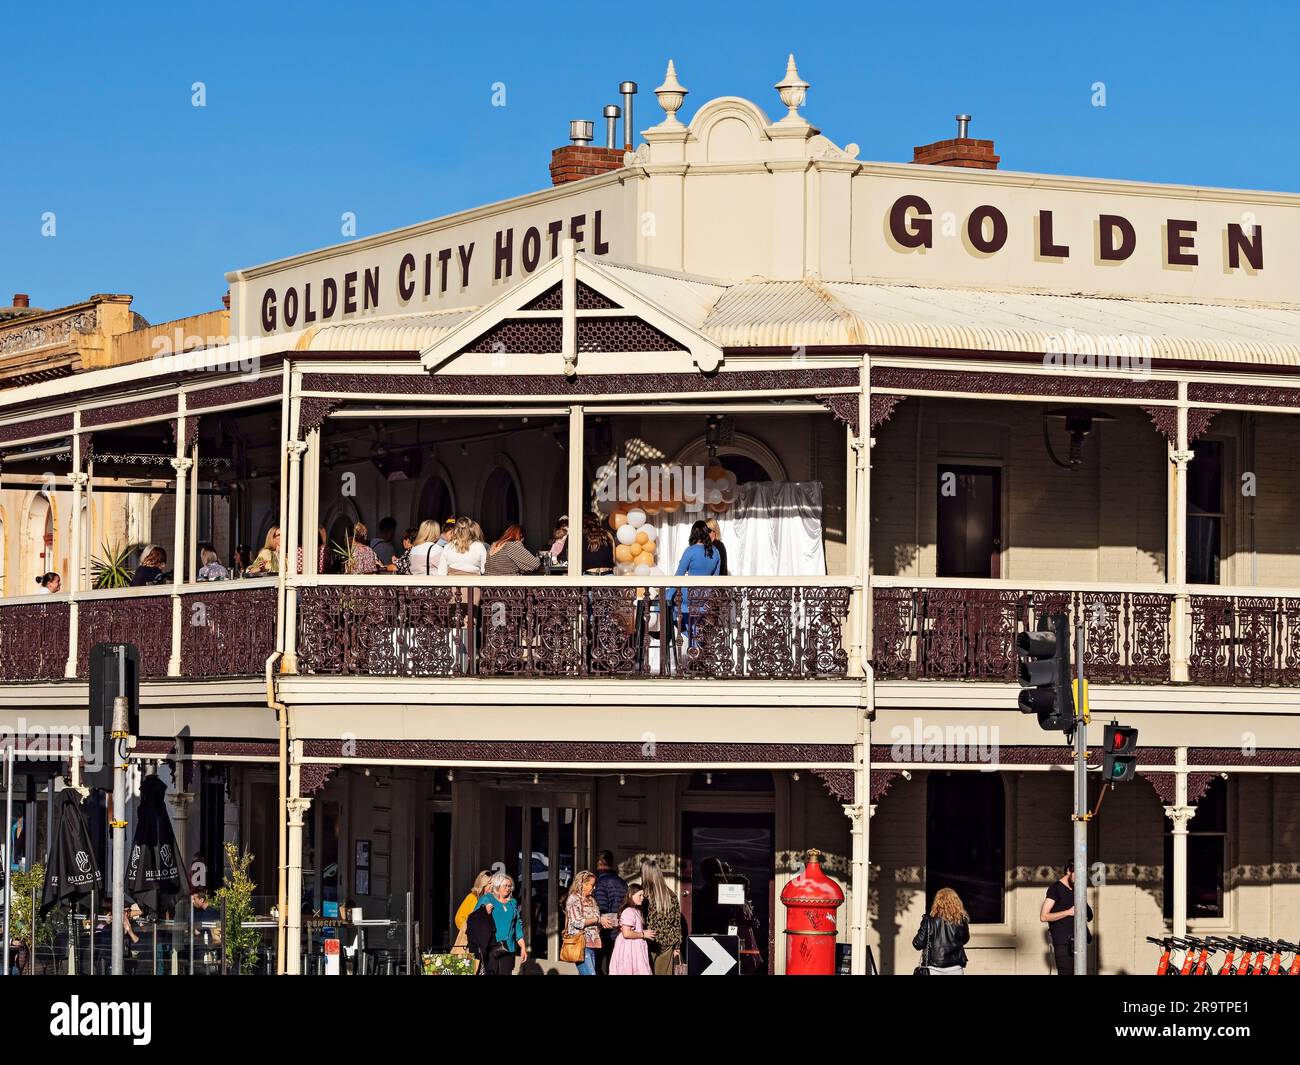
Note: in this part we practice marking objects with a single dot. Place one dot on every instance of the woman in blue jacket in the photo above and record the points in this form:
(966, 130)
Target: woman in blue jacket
(700, 559)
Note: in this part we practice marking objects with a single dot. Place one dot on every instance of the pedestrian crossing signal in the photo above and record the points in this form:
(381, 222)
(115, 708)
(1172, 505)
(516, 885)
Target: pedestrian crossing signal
(1119, 753)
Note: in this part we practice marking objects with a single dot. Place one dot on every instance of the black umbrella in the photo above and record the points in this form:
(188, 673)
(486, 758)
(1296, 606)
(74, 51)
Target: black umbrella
(153, 877)
(71, 872)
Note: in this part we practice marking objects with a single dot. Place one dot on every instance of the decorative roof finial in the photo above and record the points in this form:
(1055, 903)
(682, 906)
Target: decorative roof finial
(793, 90)
(671, 95)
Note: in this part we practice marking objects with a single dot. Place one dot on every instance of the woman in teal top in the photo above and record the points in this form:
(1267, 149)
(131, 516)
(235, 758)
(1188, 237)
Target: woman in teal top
(504, 908)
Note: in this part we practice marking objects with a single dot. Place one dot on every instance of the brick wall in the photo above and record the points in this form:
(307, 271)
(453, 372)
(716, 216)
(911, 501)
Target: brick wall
(574, 162)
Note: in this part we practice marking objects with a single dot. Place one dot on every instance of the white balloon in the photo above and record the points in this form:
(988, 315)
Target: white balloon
(643, 570)
(651, 533)
(713, 497)
(729, 495)
(707, 486)
(626, 534)
(730, 479)
(655, 571)
(622, 569)
(636, 517)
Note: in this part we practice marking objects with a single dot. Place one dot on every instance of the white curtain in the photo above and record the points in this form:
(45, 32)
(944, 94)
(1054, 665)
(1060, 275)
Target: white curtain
(774, 529)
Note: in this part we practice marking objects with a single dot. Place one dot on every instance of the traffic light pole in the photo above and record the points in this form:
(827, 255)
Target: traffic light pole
(119, 748)
(1080, 817)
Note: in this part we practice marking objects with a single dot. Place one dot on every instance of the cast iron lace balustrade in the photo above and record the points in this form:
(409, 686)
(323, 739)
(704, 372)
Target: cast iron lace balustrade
(226, 631)
(34, 641)
(571, 631)
(142, 620)
(970, 633)
(1245, 640)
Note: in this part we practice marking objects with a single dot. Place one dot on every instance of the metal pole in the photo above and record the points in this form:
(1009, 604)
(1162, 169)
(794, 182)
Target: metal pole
(9, 864)
(1080, 817)
(120, 727)
(191, 935)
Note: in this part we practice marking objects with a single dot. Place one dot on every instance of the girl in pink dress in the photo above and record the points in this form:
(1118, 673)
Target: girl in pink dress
(631, 956)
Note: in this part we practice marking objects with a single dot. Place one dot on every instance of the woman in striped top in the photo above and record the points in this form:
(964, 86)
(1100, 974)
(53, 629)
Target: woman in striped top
(508, 557)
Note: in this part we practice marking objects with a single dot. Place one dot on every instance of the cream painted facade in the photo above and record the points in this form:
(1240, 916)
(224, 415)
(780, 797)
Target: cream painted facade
(750, 270)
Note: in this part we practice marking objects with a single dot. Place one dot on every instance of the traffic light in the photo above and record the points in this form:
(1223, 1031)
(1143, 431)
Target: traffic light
(1119, 753)
(1045, 674)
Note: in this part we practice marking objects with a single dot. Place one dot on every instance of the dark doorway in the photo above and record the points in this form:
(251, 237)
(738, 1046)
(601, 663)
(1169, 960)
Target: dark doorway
(965, 841)
(731, 848)
(970, 521)
(264, 842)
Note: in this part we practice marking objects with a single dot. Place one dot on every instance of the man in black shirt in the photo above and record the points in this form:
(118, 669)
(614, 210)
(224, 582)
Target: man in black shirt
(1057, 913)
(608, 893)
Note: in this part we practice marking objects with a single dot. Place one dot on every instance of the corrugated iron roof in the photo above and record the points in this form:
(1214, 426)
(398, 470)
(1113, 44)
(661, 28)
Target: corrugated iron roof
(758, 313)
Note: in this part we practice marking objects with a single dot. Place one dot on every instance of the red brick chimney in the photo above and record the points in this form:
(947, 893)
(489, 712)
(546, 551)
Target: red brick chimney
(21, 299)
(961, 151)
(574, 162)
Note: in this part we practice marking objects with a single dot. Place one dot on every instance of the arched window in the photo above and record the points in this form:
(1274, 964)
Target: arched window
(965, 841)
(500, 505)
(437, 501)
(38, 542)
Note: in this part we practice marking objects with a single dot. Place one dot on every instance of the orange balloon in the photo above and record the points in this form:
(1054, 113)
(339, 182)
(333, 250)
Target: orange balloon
(652, 507)
(642, 537)
(719, 508)
(618, 519)
(634, 549)
(623, 553)
(647, 553)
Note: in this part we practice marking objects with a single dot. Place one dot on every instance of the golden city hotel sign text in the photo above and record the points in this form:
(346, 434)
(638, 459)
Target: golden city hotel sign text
(1115, 238)
(423, 273)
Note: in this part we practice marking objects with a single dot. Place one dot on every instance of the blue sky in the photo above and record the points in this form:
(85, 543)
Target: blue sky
(385, 110)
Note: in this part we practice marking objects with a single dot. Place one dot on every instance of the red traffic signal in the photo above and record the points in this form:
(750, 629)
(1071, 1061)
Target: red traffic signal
(1119, 753)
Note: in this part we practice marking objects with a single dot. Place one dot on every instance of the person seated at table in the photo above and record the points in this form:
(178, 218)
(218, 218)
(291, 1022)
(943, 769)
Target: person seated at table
(448, 530)
(382, 545)
(508, 557)
(700, 559)
(50, 583)
(267, 562)
(150, 570)
(361, 560)
(466, 553)
(212, 569)
(597, 546)
(560, 540)
(426, 549)
(239, 562)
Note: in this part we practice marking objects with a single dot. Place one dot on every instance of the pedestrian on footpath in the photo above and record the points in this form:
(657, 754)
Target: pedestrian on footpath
(461, 945)
(609, 893)
(1057, 912)
(943, 936)
(631, 956)
(498, 900)
(663, 916)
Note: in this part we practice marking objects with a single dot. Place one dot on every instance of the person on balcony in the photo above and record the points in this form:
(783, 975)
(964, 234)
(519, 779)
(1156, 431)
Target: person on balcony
(361, 560)
(402, 563)
(422, 559)
(382, 545)
(267, 562)
(448, 530)
(700, 559)
(150, 570)
(465, 554)
(560, 540)
(597, 546)
(508, 557)
(715, 535)
(239, 564)
(212, 569)
(50, 584)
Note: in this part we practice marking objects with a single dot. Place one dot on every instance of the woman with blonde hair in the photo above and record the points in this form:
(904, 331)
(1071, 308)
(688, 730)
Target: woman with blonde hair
(481, 882)
(663, 914)
(465, 554)
(426, 550)
(268, 559)
(582, 917)
(942, 937)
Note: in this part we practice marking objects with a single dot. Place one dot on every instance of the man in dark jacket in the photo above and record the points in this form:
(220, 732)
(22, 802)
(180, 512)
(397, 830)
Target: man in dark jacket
(609, 892)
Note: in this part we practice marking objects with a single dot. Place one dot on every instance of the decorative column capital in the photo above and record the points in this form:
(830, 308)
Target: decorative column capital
(854, 812)
(1180, 816)
(297, 809)
(871, 810)
(181, 800)
(295, 449)
(78, 480)
(1181, 458)
(182, 466)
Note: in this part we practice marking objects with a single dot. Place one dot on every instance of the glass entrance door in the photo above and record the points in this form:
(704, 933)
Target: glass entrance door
(546, 842)
(731, 849)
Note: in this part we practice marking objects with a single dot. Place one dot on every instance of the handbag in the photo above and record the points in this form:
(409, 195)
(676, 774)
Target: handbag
(574, 947)
(679, 966)
(923, 969)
